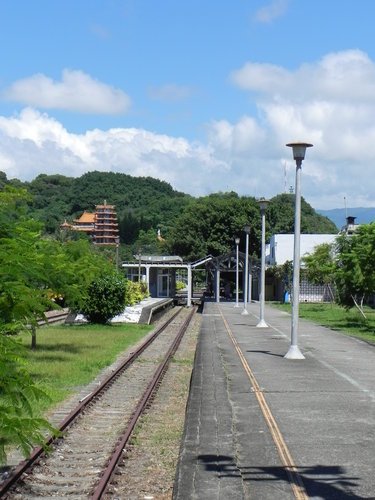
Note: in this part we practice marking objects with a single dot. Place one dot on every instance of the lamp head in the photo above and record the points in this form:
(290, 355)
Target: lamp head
(247, 229)
(237, 240)
(263, 203)
(299, 149)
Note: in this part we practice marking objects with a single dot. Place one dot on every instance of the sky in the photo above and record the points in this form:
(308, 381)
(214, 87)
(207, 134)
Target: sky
(203, 94)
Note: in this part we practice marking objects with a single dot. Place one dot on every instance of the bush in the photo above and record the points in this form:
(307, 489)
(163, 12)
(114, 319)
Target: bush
(180, 285)
(105, 298)
(135, 292)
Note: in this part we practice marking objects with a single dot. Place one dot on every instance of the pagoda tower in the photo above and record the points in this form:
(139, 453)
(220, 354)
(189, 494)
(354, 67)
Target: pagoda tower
(105, 225)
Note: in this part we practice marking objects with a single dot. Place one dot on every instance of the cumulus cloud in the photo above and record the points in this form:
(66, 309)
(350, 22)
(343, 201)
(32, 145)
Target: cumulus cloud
(77, 91)
(272, 11)
(329, 103)
(32, 143)
(348, 75)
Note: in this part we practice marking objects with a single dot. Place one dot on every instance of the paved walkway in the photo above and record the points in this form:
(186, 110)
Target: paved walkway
(260, 426)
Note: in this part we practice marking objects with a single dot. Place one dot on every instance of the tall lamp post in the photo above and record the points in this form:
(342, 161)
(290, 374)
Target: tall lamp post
(237, 242)
(139, 265)
(299, 150)
(262, 205)
(117, 251)
(247, 231)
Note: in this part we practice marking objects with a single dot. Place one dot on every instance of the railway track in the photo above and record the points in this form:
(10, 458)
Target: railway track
(97, 431)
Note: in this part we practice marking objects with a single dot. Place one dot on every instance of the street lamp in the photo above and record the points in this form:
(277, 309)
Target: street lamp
(139, 265)
(117, 240)
(247, 231)
(263, 205)
(299, 150)
(237, 242)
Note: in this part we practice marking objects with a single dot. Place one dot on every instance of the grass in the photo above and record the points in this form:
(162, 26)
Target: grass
(337, 318)
(68, 357)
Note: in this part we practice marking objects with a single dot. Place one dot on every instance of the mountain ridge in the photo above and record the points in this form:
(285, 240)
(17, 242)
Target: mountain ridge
(364, 215)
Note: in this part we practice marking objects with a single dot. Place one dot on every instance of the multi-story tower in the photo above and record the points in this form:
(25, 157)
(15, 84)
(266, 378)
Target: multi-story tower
(105, 226)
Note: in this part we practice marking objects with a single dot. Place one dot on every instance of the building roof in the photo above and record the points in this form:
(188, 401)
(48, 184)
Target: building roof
(110, 207)
(65, 225)
(171, 259)
(86, 218)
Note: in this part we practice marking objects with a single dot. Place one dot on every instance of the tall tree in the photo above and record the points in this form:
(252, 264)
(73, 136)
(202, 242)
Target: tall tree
(21, 302)
(209, 224)
(355, 260)
(32, 268)
(320, 267)
(280, 216)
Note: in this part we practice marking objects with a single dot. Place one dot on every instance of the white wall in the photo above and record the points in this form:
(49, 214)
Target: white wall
(281, 246)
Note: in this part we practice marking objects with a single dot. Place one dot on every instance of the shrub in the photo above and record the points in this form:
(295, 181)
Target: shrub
(135, 292)
(180, 285)
(105, 298)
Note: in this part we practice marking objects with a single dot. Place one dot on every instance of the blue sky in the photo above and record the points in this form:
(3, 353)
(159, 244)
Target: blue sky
(203, 94)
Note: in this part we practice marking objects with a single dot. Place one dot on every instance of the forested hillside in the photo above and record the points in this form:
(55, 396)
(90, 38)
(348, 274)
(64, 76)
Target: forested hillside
(191, 227)
(142, 203)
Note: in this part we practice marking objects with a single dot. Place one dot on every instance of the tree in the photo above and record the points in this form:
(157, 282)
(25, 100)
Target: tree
(21, 302)
(209, 224)
(23, 288)
(320, 267)
(36, 268)
(284, 273)
(280, 216)
(355, 261)
(105, 298)
(33, 269)
(18, 425)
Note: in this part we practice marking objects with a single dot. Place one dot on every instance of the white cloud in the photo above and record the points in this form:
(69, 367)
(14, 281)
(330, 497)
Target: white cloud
(32, 143)
(77, 91)
(347, 75)
(321, 102)
(170, 92)
(330, 103)
(271, 11)
(100, 31)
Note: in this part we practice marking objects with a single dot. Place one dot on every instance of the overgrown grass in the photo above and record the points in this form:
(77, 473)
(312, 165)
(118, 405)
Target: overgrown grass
(68, 357)
(335, 317)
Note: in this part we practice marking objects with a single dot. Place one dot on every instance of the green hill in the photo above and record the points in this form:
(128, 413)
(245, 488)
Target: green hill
(145, 204)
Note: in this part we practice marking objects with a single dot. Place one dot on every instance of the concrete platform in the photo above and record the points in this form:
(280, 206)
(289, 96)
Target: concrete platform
(257, 422)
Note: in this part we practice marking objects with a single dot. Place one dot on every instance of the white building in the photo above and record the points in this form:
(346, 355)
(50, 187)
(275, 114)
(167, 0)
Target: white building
(280, 248)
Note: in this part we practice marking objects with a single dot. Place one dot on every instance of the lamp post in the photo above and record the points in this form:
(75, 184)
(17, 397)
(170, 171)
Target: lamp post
(262, 205)
(299, 150)
(237, 242)
(117, 251)
(247, 231)
(139, 265)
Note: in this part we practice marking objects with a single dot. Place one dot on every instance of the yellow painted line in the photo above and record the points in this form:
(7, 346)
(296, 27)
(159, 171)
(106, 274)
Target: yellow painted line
(284, 453)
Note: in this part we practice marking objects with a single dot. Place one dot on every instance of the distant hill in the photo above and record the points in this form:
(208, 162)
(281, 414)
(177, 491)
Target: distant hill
(145, 205)
(364, 215)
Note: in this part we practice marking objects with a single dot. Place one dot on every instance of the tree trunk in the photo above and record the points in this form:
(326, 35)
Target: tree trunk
(33, 337)
(359, 307)
(330, 292)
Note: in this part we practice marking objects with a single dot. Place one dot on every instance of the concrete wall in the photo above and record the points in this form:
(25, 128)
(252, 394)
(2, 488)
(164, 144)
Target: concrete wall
(280, 248)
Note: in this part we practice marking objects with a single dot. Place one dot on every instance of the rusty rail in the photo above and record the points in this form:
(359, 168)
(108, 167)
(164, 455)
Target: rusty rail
(23, 466)
(140, 408)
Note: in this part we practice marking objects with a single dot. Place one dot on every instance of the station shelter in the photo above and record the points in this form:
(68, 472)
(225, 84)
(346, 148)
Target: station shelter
(160, 273)
(221, 277)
